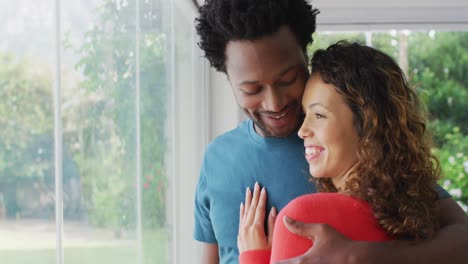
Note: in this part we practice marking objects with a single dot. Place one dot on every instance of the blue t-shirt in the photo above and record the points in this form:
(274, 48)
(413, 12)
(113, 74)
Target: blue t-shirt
(235, 161)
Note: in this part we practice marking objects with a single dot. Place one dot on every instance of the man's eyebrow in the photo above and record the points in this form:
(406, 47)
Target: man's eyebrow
(248, 82)
(288, 69)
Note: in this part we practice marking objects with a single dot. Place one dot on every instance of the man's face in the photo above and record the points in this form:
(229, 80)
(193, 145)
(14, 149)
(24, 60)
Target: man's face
(268, 78)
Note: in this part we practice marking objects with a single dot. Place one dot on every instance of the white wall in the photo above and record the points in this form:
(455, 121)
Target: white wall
(394, 3)
(224, 111)
(397, 14)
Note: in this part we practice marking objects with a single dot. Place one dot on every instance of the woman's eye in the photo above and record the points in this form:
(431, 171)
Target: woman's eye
(319, 116)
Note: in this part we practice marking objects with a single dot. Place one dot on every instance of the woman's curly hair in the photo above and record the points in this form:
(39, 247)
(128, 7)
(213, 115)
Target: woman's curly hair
(221, 21)
(396, 171)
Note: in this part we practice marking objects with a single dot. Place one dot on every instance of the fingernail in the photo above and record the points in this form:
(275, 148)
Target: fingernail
(263, 190)
(273, 212)
(288, 220)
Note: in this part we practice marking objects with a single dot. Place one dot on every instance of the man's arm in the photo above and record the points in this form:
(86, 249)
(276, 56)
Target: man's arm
(209, 253)
(449, 244)
(203, 227)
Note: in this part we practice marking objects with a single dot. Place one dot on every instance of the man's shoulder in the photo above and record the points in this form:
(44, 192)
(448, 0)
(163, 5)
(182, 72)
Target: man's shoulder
(233, 137)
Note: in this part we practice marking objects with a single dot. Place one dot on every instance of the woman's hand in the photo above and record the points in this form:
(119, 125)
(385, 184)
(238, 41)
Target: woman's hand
(251, 223)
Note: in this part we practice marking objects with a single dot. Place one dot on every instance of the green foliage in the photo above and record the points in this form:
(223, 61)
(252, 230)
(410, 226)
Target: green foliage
(26, 122)
(25, 102)
(108, 62)
(103, 187)
(380, 40)
(453, 157)
(387, 43)
(439, 67)
(444, 52)
(439, 129)
(323, 40)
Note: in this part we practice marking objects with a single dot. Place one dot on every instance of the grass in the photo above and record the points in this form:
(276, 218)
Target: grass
(114, 255)
(155, 246)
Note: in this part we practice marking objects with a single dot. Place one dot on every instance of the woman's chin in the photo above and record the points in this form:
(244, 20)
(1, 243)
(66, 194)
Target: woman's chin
(317, 175)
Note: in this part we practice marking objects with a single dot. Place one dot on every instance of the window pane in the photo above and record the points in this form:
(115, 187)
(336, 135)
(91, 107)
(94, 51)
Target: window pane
(155, 95)
(99, 115)
(99, 78)
(27, 218)
(98, 75)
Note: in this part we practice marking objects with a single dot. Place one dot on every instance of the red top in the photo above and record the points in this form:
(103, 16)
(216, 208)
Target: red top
(350, 216)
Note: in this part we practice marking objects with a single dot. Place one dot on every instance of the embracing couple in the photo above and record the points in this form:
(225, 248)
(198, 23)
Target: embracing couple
(334, 159)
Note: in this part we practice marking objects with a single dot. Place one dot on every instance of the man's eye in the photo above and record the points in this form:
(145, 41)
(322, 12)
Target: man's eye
(251, 92)
(288, 81)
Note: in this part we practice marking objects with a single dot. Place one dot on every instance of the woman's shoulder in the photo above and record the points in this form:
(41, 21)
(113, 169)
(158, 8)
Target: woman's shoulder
(328, 200)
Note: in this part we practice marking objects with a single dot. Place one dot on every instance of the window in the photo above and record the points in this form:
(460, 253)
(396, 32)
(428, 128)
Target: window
(125, 70)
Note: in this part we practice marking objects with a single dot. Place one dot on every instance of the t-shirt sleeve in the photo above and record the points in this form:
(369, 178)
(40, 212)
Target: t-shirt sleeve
(203, 229)
(255, 257)
(442, 192)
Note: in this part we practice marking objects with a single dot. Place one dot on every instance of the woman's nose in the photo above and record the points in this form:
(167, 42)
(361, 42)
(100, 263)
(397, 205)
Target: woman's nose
(305, 130)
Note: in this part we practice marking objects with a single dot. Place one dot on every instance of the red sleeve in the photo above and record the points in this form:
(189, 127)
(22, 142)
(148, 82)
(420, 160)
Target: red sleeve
(255, 257)
(350, 216)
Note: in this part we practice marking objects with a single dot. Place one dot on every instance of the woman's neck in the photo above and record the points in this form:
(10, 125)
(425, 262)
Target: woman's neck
(340, 182)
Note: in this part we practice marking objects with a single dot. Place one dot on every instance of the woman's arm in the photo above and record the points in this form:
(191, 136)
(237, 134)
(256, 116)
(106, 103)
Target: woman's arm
(449, 244)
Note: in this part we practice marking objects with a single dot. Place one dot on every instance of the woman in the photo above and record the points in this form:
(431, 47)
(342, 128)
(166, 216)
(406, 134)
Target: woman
(369, 152)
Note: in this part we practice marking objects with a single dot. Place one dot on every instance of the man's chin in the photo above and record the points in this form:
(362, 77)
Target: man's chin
(267, 131)
(262, 130)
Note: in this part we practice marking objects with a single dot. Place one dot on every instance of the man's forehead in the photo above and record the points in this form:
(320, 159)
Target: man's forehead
(277, 49)
(242, 63)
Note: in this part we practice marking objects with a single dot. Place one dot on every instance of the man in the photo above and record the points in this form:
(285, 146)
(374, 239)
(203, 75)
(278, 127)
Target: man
(261, 47)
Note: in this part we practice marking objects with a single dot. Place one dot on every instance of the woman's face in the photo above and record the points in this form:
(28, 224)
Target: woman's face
(330, 138)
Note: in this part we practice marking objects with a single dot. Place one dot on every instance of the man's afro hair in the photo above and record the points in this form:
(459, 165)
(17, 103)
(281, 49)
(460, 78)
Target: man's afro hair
(221, 21)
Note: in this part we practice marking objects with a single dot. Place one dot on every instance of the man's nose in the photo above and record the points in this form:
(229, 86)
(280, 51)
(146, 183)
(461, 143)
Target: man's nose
(273, 100)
